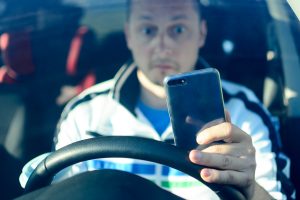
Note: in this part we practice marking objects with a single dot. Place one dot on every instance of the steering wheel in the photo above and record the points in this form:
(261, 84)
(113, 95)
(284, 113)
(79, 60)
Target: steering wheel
(125, 147)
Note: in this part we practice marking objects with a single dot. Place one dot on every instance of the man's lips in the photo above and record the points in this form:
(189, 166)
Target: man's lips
(164, 67)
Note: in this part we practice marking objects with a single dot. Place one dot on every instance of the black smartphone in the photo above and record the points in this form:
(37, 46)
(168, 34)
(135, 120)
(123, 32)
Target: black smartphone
(195, 101)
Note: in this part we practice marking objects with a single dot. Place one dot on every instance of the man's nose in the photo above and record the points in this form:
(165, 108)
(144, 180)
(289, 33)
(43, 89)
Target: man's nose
(163, 44)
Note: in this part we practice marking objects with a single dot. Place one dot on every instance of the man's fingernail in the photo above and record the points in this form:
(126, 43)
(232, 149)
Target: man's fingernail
(199, 156)
(200, 140)
(206, 172)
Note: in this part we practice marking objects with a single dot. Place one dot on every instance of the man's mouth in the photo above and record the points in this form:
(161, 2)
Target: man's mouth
(164, 67)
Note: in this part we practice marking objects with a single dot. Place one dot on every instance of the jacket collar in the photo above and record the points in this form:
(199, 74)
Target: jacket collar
(126, 89)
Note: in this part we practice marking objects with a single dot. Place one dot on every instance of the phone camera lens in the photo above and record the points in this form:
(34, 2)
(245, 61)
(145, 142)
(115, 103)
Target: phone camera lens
(177, 82)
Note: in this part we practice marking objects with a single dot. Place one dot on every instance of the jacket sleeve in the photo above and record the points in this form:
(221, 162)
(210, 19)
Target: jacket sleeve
(272, 169)
(71, 129)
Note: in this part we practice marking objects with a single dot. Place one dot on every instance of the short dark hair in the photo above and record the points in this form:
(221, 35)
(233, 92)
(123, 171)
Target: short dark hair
(196, 3)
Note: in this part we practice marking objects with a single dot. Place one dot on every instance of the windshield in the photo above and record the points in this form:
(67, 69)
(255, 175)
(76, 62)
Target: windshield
(53, 51)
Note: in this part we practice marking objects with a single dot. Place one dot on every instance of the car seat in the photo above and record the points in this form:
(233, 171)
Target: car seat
(21, 136)
(17, 57)
(17, 68)
(18, 61)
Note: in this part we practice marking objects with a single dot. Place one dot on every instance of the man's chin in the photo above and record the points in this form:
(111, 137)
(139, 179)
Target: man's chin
(160, 78)
(159, 75)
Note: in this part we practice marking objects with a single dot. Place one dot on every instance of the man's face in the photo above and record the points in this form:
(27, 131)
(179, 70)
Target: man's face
(164, 36)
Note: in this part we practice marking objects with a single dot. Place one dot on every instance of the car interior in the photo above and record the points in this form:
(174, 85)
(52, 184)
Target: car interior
(61, 42)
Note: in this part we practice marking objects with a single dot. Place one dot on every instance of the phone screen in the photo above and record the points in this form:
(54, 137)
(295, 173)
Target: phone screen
(195, 101)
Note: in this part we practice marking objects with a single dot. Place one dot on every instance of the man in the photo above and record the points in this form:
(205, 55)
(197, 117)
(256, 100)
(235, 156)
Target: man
(164, 37)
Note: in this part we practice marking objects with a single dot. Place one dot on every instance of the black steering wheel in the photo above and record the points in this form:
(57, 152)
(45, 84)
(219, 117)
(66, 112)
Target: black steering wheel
(125, 147)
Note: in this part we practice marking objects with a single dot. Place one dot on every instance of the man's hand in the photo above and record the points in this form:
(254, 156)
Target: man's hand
(234, 159)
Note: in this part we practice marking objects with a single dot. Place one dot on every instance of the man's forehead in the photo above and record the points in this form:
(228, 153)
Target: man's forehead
(164, 6)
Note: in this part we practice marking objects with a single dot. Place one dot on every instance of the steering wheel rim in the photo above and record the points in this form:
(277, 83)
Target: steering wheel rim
(122, 147)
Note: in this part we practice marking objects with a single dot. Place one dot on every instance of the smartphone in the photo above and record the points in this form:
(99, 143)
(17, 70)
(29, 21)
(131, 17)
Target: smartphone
(195, 101)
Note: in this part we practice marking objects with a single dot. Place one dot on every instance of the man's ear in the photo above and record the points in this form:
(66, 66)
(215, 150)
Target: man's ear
(203, 33)
(127, 35)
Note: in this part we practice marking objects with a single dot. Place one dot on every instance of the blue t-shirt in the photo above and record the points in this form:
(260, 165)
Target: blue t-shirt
(159, 118)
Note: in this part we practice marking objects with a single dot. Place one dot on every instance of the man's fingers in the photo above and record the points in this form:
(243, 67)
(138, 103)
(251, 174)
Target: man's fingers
(224, 131)
(234, 149)
(227, 177)
(220, 161)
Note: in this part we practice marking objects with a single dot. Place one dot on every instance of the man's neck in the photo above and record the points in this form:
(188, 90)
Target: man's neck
(151, 94)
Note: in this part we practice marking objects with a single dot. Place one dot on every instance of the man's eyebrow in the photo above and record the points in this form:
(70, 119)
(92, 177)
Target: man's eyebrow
(145, 17)
(179, 17)
(173, 18)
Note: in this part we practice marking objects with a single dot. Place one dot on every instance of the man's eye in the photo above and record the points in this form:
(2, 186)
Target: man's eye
(148, 31)
(178, 30)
